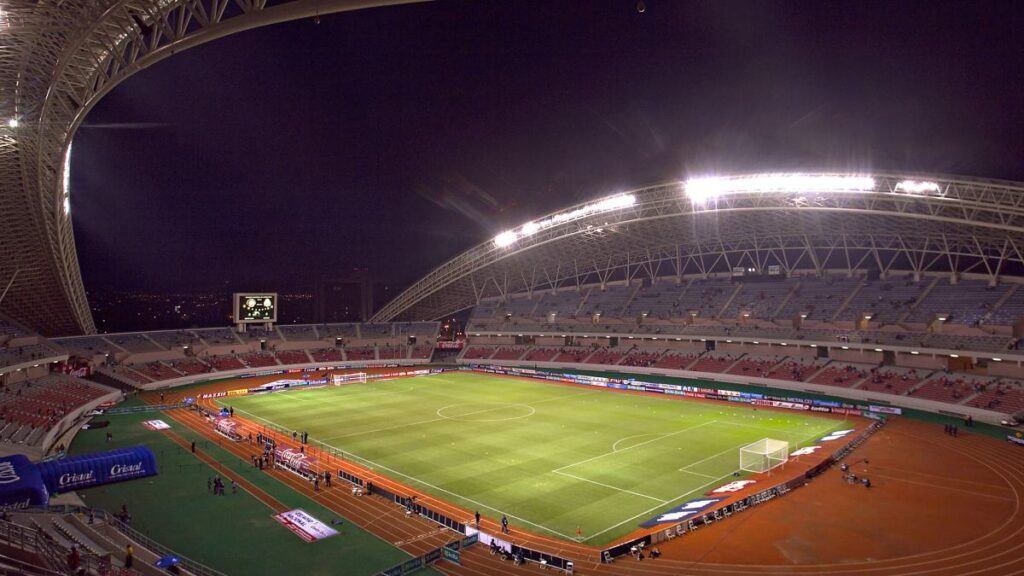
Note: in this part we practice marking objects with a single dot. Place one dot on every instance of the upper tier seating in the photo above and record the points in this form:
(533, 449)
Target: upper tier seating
(885, 300)
(135, 343)
(965, 302)
(298, 333)
(223, 363)
(818, 298)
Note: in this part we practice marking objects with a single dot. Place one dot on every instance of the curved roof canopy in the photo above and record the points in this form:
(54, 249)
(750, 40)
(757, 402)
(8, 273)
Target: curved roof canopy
(713, 225)
(58, 58)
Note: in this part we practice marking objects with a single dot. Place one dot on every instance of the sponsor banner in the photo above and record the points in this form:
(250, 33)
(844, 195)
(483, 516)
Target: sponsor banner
(450, 344)
(305, 526)
(213, 395)
(835, 435)
(885, 409)
(1016, 438)
(807, 450)
(682, 512)
(733, 487)
(90, 470)
(156, 425)
(239, 392)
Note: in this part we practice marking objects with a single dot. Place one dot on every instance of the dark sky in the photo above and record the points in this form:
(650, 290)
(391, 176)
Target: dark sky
(395, 138)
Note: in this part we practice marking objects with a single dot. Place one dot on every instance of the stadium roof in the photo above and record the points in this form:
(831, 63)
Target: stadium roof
(920, 224)
(58, 60)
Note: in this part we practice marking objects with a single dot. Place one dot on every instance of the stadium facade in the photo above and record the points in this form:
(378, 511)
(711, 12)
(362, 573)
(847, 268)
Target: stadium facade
(763, 223)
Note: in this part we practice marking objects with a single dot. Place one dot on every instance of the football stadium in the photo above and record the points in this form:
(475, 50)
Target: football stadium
(770, 372)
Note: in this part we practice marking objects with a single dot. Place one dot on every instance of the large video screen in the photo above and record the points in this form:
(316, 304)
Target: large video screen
(256, 307)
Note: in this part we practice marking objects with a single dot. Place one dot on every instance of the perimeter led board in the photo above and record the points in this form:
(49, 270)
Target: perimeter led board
(255, 307)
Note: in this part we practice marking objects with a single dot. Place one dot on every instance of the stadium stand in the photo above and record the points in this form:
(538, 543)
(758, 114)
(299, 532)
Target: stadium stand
(29, 408)
(478, 352)
(892, 380)
(604, 356)
(361, 353)
(885, 301)
(641, 358)
(392, 352)
(541, 355)
(758, 299)
(156, 371)
(171, 339)
(298, 333)
(422, 352)
(952, 388)
(190, 366)
(967, 302)
(288, 357)
(224, 363)
(258, 359)
(327, 355)
(676, 360)
(819, 299)
(710, 362)
(1005, 396)
(217, 336)
(509, 353)
(754, 365)
(135, 343)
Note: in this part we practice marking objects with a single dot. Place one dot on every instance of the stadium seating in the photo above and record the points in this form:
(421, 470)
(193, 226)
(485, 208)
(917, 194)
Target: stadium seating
(134, 343)
(758, 299)
(752, 365)
(190, 366)
(509, 353)
(223, 363)
(422, 352)
(288, 357)
(710, 362)
(966, 302)
(360, 353)
(541, 355)
(604, 356)
(256, 334)
(1010, 311)
(392, 352)
(29, 408)
(951, 388)
(676, 361)
(891, 380)
(156, 371)
(375, 331)
(171, 339)
(641, 358)
(842, 374)
(298, 333)
(1002, 396)
(478, 352)
(794, 370)
(327, 355)
(574, 355)
(217, 336)
(258, 359)
(337, 330)
(886, 300)
(818, 298)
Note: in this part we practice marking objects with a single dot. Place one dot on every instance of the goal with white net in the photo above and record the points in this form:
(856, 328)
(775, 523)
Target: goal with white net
(763, 455)
(349, 378)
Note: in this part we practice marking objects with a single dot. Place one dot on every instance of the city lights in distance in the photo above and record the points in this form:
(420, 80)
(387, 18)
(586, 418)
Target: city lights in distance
(702, 190)
(609, 204)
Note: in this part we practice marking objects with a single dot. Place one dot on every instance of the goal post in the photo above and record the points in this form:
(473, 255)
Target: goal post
(763, 455)
(349, 378)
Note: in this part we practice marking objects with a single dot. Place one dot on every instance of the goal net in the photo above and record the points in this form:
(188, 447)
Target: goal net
(763, 455)
(350, 378)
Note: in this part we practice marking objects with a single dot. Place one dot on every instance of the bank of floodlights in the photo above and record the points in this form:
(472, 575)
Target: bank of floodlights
(609, 204)
(704, 190)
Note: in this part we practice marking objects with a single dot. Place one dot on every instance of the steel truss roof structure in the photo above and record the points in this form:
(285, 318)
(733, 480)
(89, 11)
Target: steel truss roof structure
(57, 59)
(956, 225)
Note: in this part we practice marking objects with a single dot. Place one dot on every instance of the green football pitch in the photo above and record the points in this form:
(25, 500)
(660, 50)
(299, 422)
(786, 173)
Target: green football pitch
(548, 456)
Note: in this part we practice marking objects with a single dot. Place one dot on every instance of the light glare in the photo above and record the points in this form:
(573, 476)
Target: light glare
(701, 190)
(916, 186)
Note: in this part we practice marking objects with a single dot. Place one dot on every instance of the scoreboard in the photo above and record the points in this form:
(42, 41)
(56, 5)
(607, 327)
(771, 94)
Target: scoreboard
(255, 308)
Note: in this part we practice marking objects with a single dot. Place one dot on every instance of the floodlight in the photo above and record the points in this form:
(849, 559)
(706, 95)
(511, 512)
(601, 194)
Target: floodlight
(701, 190)
(916, 186)
(997, 359)
(13, 123)
(530, 228)
(505, 239)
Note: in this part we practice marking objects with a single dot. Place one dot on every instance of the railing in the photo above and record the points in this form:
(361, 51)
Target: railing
(53, 554)
(187, 563)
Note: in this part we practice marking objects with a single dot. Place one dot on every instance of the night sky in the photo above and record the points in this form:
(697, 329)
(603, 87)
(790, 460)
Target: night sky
(395, 138)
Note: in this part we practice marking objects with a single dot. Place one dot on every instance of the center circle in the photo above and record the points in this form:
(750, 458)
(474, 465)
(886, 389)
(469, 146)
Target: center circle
(485, 412)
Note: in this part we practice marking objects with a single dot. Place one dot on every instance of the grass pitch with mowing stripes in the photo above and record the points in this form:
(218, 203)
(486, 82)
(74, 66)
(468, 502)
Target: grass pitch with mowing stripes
(551, 457)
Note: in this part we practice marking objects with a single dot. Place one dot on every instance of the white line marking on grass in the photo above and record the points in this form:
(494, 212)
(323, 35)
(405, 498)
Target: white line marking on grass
(373, 464)
(610, 486)
(634, 445)
(456, 418)
(684, 471)
(652, 509)
(428, 421)
(615, 446)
